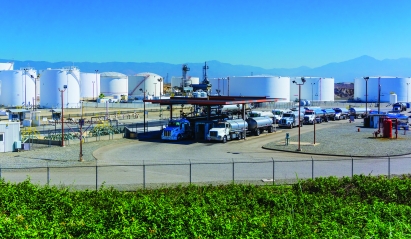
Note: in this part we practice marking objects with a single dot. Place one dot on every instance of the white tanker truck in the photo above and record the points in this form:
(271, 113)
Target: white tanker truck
(235, 129)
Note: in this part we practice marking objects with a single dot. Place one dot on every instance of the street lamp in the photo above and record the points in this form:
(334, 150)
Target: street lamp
(366, 78)
(408, 83)
(62, 115)
(35, 90)
(299, 110)
(312, 91)
(144, 110)
(161, 92)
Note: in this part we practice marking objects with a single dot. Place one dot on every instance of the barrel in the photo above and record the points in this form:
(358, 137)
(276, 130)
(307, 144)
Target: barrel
(387, 131)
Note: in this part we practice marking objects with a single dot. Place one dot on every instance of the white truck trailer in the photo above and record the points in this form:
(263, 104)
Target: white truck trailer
(235, 129)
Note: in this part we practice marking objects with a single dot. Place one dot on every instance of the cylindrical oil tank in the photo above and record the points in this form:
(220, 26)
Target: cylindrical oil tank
(314, 88)
(6, 66)
(113, 84)
(387, 85)
(269, 86)
(238, 124)
(89, 85)
(52, 83)
(18, 87)
(151, 82)
(258, 122)
(393, 98)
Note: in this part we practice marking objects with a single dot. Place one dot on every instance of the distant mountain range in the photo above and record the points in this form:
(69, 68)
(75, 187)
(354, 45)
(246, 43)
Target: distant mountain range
(345, 71)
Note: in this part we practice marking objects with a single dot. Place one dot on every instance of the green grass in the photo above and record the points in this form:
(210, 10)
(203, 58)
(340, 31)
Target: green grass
(359, 207)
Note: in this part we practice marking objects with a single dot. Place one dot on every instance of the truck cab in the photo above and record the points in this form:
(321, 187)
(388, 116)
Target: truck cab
(310, 117)
(177, 130)
(290, 120)
(227, 130)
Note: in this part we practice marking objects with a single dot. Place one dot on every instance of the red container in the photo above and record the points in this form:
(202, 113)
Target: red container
(387, 131)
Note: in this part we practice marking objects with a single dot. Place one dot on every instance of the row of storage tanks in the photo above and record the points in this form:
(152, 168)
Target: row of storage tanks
(19, 87)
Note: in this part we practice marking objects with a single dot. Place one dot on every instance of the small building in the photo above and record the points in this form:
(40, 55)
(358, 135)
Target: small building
(10, 136)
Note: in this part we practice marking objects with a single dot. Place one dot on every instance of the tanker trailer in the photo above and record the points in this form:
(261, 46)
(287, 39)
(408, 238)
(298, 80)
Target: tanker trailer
(257, 125)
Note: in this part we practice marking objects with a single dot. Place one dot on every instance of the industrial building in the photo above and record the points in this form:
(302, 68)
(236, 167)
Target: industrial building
(10, 136)
(386, 85)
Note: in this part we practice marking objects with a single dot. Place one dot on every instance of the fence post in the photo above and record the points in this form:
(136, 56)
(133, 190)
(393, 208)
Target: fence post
(233, 169)
(312, 168)
(352, 167)
(48, 173)
(96, 175)
(0, 172)
(190, 170)
(273, 171)
(389, 167)
(144, 175)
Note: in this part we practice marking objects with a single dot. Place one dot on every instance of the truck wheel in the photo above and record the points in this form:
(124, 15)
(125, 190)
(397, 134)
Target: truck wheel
(225, 139)
(270, 129)
(291, 125)
(257, 132)
(241, 136)
(179, 137)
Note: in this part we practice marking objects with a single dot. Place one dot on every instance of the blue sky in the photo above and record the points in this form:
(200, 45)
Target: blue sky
(265, 33)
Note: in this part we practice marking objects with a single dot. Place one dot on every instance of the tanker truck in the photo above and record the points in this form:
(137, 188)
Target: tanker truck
(235, 129)
(177, 129)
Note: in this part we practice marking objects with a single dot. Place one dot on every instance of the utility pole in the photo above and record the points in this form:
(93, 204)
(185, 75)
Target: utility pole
(62, 115)
(81, 123)
(299, 110)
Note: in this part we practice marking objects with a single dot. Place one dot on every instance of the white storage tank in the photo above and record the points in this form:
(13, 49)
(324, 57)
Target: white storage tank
(52, 82)
(89, 86)
(269, 86)
(6, 66)
(314, 89)
(388, 84)
(18, 87)
(393, 98)
(151, 82)
(113, 84)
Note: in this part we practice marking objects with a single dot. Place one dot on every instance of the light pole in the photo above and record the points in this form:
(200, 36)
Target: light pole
(312, 92)
(96, 84)
(161, 91)
(81, 123)
(299, 110)
(408, 83)
(35, 90)
(155, 89)
(144, 109)
(366, 78)
(62, 115)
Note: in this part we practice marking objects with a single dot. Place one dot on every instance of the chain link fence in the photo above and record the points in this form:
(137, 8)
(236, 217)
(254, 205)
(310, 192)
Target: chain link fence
(132, 176)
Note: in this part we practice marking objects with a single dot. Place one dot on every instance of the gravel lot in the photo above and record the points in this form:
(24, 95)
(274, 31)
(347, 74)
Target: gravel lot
(344, 139)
